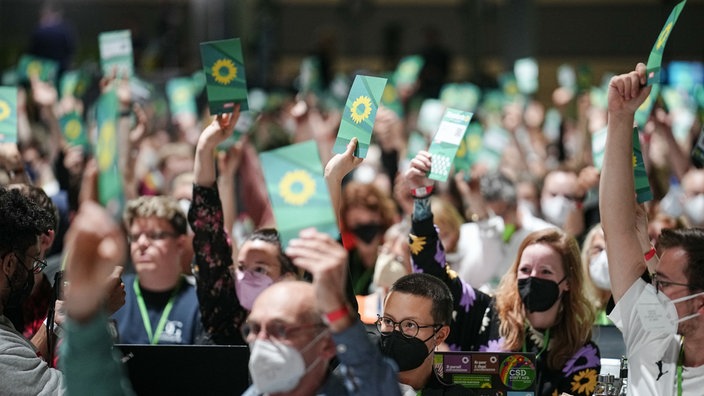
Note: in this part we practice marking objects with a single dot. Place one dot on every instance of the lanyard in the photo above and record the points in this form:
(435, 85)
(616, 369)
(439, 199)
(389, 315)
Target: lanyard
(680, 364)
(546, 341)
(154, 338)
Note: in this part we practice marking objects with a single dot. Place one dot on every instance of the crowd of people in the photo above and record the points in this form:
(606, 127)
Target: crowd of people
(525, 253)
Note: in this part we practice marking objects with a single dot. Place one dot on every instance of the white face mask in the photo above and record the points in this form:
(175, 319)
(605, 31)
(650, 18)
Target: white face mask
(694, 210)
(277, 367)
(248, 285)
(599, 271)
(658, 313)
(556, 209)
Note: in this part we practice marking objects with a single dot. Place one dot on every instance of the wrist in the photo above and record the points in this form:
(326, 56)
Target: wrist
(338, 319)
(422, 192)
(58, 330)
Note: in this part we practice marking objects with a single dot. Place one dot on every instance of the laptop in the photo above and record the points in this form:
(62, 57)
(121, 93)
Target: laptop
(187, 369)
(489, 373)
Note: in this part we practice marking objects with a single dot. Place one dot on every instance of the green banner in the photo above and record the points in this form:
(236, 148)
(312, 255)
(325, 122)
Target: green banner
(109, 177)
(8, 115)
(297, 190)
(446, 142)
(181, 99)
(226, 82)
(116, 53)
(640, 176)
(655, 58)
(33, 66)
(359, 114)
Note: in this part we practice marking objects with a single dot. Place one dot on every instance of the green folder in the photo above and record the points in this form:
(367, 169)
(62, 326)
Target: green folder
(640, 177)
(359, 114)
(34, 66)
(8, 114)
(446, 142)
(116, 53)
(655, 58)
(74, 130)
(226, 82)
(297, 190)
(109, 177)
(180, 94)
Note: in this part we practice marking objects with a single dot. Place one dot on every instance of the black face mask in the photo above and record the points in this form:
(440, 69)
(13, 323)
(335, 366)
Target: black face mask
(367, 232)
(19, 290)
(408, 353)
(538, 294)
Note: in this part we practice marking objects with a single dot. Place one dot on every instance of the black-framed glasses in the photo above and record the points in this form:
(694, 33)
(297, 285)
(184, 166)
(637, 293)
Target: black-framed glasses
(408, 327)
(151, 236)
(276, 330)
(662, 284)
(38, 264)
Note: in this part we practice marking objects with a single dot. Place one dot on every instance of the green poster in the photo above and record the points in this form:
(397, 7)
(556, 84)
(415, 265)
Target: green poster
(470, 147)
(408, 70)
(116, 53)
(655, 58)
(640, 177)
(226, 82)
(297, 190)
(446, 142)
(181, 99)
(109, 177)
(8, 115)
(74, 130)
(359, 114)
(33, 66)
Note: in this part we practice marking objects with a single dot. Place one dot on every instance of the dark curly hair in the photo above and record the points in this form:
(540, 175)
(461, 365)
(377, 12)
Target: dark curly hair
(21, 221)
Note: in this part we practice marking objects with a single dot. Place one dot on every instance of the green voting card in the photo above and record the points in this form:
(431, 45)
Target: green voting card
(33, 66)
(106, 152)
(640, 177)
(226, 82)
(391, 100)
(416, 143)
(470, 147)
(655, 58)
(8, 114)
(446, 142)
(180, 94)
(297, 190)
(116, 53)
(73, 129)
(408, 70)
(463, 96)
(359, 114)
(74, 83)
(309, 79)
(645, 108)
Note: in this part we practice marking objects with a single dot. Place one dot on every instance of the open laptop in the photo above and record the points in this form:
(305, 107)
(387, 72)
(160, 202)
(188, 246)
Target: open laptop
(489, 373)
(187, 369)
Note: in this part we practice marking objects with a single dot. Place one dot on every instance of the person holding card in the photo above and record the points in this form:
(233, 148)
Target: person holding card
(540, 306)
(662, 322)
(225, 294)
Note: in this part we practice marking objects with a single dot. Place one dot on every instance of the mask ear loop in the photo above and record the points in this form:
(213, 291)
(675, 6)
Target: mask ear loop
(435, 371)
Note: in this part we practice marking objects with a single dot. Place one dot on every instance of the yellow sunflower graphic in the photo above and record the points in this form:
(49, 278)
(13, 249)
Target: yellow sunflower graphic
(462, 150)
(73, 129)
(4, 110)
(663, 36)
(474, 143)
(357, 115)
(417, 244)
(34, 68)
(181, 95)
(106, 141)
(296, 187)
(584, 382)
(635, 160)
(224, 71)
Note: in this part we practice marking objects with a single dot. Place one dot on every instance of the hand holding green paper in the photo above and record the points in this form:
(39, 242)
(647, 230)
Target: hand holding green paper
(446, 142)
(226, 83)
(359, 114)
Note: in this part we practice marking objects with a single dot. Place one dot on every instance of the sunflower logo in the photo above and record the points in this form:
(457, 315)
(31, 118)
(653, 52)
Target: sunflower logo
(106, 141)
(296, 187)
(474, 143)
(181, 95)
(359, 115)
(34, 68)
(224, 71)
(584, 382)
(462, 150)
(73, 129)
(417, 243)
(4, 110)
(635, 160)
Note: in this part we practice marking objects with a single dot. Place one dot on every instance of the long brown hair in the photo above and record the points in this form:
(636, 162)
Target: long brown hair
(574, 322)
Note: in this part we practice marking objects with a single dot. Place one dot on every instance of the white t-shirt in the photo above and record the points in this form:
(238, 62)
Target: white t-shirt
(652, 358)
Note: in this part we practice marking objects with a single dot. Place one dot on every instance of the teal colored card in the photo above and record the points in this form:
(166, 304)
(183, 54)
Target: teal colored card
(116, 53)
(416, 143)
(470, 148)
(640, 176)
(226, 82)
(181, 99)
(408, 70)
(8, 114)
(446, 142)
(655, 58)
(645, 108)
(33, 66)
(74, 83)
(109, 176)
(463, 96)
(359, 114)
(297, 190)
(74, 130)
(391, 100)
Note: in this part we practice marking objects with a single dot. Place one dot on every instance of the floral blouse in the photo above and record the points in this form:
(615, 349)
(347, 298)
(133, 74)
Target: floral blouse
(475, 324)
(221, 313)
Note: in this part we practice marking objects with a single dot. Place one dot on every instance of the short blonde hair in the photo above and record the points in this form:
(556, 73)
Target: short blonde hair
(159, 206)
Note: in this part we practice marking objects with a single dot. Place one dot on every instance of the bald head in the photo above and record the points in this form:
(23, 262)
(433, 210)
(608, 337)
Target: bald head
(287, 301)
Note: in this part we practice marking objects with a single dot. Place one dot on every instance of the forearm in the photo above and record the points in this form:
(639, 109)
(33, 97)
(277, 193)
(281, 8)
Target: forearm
(204, 166)
(228, 198)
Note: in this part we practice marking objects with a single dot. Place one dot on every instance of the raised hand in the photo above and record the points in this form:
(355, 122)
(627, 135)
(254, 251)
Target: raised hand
(417, 173)
(628, 91)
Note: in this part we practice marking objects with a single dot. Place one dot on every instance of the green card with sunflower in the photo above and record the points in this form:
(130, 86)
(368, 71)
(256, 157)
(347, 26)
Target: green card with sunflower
(446, 142)
(8, 115)
(470, 147)
(359, 114)
(33, 66)
(655, 58)
(180, 94)
(73, 129)
(109, 177)
(226, 83)
(640, 176)
(297, 190)
(116, 53)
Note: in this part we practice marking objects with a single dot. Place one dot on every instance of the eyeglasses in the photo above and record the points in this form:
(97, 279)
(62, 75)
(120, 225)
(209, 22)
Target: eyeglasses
(150, 235)
(408, 327)
(276, 330)
(661, 284)
(38, 264)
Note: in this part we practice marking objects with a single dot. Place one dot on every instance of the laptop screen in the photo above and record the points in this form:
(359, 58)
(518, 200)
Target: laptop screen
(187, 369)
(489, 373)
